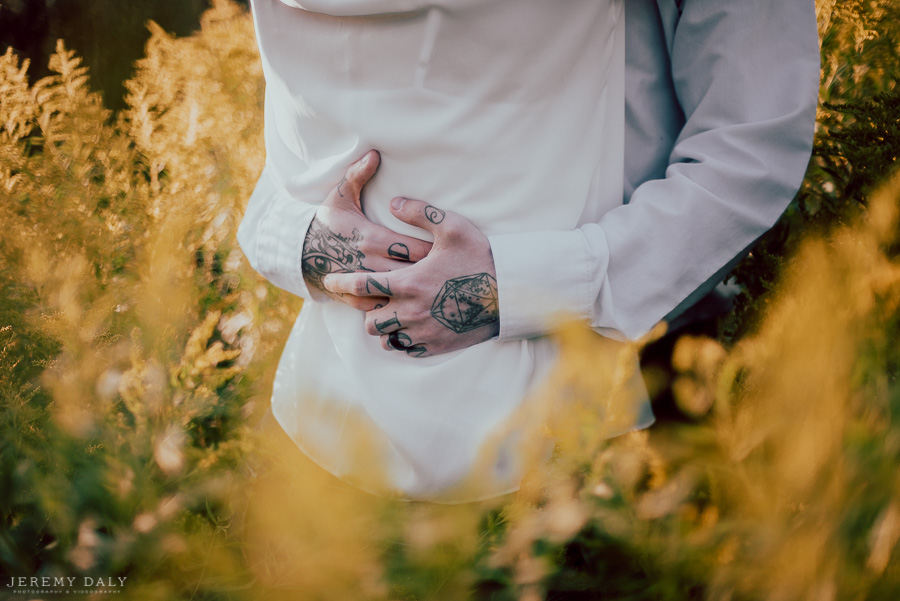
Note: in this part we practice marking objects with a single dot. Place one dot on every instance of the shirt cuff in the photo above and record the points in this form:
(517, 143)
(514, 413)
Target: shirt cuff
(276, 242)
(543, 277)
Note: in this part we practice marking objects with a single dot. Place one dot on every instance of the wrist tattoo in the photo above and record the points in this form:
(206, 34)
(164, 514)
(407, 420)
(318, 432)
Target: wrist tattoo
(325, 252)
(467, 303)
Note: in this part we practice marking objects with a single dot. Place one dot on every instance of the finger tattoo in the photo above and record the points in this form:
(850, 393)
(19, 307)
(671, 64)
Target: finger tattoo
(340, 185)
(399, 251)
(373, 283)
(417, 350)
(434, 214)
(389, 324)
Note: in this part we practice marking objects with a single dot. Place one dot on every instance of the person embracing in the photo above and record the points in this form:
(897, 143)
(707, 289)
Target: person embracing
(446, 177)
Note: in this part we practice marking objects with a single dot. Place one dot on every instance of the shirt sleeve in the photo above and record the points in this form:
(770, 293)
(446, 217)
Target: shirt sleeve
(271, 235)
(746, 76)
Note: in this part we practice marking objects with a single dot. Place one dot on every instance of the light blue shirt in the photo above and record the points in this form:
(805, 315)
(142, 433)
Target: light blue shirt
(720, 110)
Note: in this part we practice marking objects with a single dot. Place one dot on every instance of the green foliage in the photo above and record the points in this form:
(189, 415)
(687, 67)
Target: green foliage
(856, 147)
(864, 151)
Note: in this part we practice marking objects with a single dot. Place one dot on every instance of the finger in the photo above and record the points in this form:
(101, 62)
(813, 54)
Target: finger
(385, 343)
(382, 264)
(349, 189)
(389, 244)
(400, 342)
(358, 284)
(382, 321)
(411, 349)
(426, 216)
(363, 303)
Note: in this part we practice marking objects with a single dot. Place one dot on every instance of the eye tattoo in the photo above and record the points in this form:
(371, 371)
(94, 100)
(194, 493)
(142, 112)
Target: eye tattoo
(326, 252)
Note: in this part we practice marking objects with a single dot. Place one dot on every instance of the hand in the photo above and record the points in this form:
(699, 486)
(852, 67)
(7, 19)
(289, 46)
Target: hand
(445, 302)
(341, 239)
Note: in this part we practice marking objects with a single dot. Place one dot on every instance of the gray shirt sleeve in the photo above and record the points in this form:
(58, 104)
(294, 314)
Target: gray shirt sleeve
(741, 82)
(745, 77)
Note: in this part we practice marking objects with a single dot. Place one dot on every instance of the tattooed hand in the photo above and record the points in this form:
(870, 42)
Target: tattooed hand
(341, 239)
(446, 301)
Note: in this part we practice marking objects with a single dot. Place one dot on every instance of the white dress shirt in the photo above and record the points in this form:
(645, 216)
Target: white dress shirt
(511, 113)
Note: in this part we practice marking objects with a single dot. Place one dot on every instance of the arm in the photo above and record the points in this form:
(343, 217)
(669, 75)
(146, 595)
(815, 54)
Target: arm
(746, 77)
(295, 244)
(270, 234)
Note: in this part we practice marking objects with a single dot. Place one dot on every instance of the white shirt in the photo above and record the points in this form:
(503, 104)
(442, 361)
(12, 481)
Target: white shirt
(523, 100)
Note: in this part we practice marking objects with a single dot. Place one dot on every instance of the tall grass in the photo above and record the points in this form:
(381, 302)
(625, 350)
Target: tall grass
(137, 349)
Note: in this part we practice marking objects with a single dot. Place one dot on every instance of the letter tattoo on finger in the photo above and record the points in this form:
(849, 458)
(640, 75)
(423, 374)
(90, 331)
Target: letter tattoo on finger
(340, 185)
(434, 214)
(389, 325)
(417, 350)
(373, 283)
(404, 340)
(398, 251)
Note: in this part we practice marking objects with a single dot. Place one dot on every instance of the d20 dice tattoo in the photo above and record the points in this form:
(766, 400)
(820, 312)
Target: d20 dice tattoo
(467, 303)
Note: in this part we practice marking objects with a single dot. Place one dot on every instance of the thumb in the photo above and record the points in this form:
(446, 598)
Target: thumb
(423, 215)
(349, 189)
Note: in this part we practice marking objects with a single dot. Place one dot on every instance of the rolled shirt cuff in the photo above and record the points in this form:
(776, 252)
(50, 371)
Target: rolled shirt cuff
(275, 245)
(543, 277)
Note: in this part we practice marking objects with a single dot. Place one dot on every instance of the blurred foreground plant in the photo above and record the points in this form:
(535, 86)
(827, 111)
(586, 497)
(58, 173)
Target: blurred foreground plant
(128, 318)
(857, 145)
(789, 490)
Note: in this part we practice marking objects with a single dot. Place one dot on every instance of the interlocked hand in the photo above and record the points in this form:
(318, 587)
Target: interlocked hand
(341, 239)
(445, 302)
